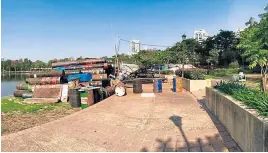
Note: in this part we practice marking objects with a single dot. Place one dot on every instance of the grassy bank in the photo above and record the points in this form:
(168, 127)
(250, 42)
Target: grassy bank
(17, 116)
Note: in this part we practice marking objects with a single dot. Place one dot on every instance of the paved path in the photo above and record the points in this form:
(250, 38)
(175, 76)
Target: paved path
(167, 122)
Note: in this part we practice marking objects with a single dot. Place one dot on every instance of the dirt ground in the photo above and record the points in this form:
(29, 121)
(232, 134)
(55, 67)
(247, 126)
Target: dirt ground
(14, 122)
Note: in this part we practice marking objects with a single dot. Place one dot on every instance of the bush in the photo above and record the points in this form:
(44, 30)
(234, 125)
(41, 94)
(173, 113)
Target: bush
(251, 97)
(223, 72)
(166, 72)
(234, 65)
(192, 74)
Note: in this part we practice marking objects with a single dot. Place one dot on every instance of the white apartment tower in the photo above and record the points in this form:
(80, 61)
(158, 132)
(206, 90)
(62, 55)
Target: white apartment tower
(200, 35)
(134, 47)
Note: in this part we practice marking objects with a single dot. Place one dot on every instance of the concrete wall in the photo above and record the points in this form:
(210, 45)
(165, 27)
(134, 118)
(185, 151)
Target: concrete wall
(194, 85)
(248, 130)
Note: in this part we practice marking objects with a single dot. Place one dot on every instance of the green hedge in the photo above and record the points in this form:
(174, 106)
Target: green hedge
(223, 72)
(193, 74)
(166, 72)
(251, 97)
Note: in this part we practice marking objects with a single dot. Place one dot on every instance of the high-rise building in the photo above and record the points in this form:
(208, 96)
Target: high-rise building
(134, 47)
(200, 35)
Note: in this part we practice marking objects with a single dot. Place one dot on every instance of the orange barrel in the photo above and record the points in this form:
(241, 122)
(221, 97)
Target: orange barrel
(178, 84)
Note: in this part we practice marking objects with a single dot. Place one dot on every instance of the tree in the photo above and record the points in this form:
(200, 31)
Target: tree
(225, 43)
(254, 41)
(213, 56)
(79, 58)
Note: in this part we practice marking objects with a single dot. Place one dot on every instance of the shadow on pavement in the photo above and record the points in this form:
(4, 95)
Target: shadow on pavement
(214, 143)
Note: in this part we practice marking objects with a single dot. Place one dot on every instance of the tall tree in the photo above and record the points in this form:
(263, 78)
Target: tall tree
(254, 41)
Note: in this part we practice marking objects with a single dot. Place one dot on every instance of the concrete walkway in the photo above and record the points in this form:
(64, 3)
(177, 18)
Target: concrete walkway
(167, 122)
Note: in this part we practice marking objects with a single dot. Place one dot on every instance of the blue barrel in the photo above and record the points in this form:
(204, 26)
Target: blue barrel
(60, 68)
(84, 77)
(174, 84)
(158, 85)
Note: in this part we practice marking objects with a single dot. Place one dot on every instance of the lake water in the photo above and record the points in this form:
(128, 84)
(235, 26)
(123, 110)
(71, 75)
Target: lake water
(9, 82)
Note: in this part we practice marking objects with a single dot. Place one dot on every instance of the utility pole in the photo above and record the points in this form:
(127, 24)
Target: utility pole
(117, 44)
(115, 58)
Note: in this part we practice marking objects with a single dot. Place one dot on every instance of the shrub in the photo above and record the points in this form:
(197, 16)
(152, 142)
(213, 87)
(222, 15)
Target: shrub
(166, 72)
(223, 72)
(251, 97)
(234, 65)
(192, 74)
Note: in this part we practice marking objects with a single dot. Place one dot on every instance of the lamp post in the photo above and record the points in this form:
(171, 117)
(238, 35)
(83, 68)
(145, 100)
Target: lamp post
(182, 74)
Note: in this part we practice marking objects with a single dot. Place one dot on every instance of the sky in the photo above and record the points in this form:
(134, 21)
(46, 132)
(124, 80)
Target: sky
(48, 29)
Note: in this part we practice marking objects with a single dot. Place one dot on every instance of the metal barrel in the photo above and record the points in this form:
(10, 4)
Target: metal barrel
(110, 90)
(19, 93)
(22, 86)
(177, 84)
(97, 95)
(96, 77)
(74, 98)
(157, 85)
(95, 83)
(27, 95)
(43, 80)
(47, 74)
(87, 66)
(92, 71)
(90, 98)
(137, 86)
(87, 61)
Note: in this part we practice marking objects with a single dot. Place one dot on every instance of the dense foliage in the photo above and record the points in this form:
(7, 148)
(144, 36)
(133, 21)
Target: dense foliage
(250, 97)
(193, 74)
(254, 42)
(220, 72)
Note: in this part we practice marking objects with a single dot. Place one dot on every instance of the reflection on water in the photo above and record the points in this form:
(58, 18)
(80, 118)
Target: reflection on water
(9, 82)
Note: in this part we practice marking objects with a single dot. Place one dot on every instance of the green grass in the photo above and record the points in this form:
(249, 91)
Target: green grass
(209, 76)
(13, 104)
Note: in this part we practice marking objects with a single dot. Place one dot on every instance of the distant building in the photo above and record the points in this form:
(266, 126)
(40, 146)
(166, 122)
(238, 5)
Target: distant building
(134, 47)
(200, 35)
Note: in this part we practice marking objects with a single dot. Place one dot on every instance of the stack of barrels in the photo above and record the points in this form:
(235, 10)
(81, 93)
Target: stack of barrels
(100, 68)
(23, 91)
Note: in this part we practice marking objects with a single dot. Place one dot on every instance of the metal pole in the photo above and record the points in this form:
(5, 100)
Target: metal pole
(118, 45)
(115, 59)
